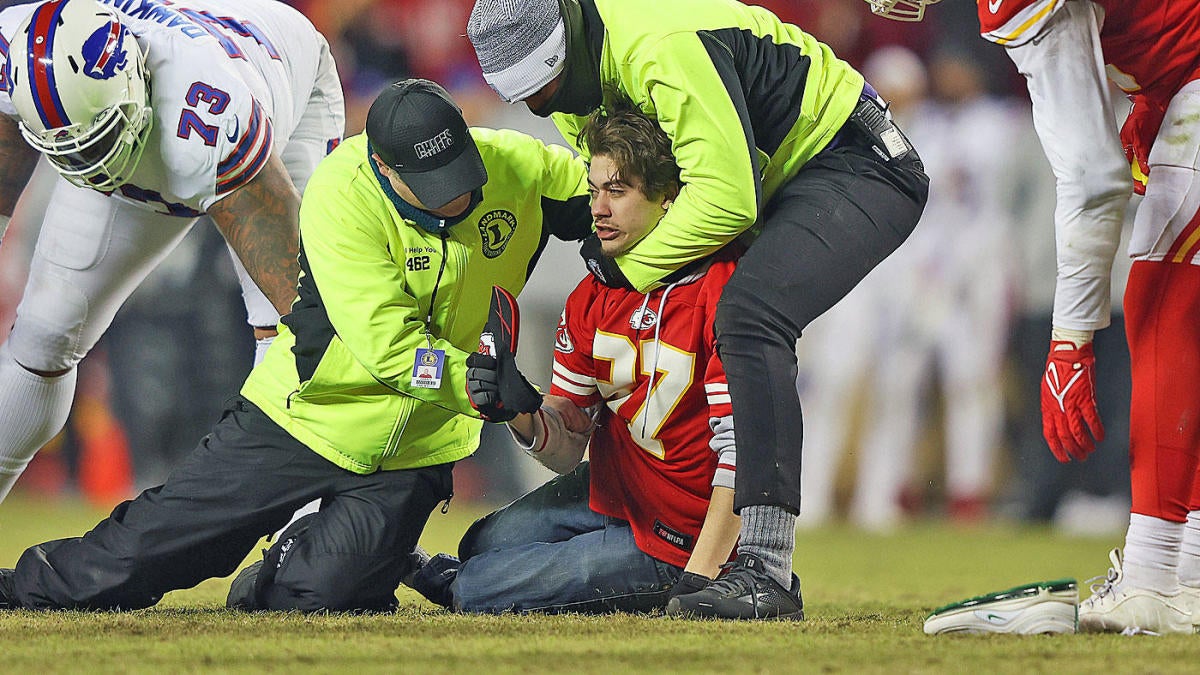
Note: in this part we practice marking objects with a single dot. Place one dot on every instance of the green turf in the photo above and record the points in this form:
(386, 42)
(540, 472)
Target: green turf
(866, 597)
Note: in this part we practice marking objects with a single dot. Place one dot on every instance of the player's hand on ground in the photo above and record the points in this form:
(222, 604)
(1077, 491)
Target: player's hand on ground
(1070, 420)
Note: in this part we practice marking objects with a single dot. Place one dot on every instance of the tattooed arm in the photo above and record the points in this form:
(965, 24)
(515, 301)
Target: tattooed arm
(17, 160)
(260, 222)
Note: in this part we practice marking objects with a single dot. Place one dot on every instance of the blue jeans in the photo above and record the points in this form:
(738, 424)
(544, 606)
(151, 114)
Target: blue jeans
(549, 552)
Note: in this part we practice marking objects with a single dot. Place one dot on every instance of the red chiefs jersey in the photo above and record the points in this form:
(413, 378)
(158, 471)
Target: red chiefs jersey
(651, 358)
(1150, 46)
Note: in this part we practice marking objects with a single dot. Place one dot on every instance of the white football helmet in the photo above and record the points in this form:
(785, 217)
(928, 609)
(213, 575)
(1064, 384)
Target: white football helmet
(901, 10)
(78, 80)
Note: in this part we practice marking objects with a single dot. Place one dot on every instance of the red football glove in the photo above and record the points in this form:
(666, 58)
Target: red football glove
(1137, 137)
(1069, 401)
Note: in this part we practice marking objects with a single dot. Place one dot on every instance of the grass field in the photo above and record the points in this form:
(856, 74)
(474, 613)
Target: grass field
(866, 597)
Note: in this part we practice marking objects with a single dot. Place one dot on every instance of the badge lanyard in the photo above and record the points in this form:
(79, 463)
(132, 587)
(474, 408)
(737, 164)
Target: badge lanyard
(429, 362)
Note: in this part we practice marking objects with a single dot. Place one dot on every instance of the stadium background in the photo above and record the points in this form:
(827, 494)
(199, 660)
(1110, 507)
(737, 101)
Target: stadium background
(155, 383)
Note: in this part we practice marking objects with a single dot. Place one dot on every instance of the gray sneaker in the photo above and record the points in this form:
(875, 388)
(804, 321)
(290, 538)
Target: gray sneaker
(744, 591)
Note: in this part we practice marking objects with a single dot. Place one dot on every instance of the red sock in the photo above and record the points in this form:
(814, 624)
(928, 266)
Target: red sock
(1162, 322)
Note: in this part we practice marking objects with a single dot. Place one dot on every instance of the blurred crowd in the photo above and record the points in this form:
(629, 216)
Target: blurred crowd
(920, 390)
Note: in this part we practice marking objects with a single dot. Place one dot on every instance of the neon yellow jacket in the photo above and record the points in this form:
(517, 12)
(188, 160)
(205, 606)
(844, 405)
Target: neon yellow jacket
(338, 377)
(745, 98)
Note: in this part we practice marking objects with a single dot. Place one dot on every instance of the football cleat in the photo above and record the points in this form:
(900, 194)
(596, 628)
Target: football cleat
(1190, 596)
(1115, 607)
(744, 591)
(1032, 609)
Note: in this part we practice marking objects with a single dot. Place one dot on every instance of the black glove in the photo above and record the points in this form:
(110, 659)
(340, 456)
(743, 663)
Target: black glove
(690, 582)
(601, 266)
(495, 385)
(497, 389)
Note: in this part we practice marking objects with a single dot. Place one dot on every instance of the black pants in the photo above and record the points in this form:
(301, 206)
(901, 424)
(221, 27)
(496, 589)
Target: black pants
(822, 232)
(244, 481)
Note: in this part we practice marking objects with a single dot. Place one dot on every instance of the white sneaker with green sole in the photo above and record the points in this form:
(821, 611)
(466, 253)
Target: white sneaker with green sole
(1032, 609)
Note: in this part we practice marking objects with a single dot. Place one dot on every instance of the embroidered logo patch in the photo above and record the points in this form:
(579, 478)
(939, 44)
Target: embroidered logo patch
(562, 339)
(487, 343)
(496, 228)
(672, 536)
(594, 268)
(430, 147)
(643, 318)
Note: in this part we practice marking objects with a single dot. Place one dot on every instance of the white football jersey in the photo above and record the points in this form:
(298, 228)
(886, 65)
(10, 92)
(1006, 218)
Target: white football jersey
(229, 80)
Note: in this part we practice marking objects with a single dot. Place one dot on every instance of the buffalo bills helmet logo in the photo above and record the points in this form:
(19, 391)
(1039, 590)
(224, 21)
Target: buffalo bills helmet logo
(104, 53)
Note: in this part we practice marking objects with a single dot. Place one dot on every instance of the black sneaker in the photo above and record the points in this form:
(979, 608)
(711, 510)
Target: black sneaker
(433, 579)
(8, 593)
(241, 591)
(744, 591)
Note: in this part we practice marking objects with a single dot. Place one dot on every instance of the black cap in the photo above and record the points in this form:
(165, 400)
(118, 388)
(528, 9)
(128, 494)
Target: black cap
(419, 132)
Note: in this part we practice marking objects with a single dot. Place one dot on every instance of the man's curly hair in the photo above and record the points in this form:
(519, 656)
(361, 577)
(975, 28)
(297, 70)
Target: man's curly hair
(633, 140)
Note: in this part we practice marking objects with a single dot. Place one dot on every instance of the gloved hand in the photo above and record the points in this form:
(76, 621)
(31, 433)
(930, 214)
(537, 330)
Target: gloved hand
(1137, 137)
(1069, 401)
(690, 582)
(495, 385)
(601, 266)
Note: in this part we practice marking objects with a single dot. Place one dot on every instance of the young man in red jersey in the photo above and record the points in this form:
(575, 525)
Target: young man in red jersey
(650, 516)
(1151, 50)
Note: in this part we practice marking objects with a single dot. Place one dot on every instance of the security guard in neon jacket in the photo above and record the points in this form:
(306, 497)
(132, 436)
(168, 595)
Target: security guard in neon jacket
(776, 138)
(361, 401)
(335, 389)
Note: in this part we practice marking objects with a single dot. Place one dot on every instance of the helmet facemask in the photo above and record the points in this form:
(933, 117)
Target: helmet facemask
(901, 10)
